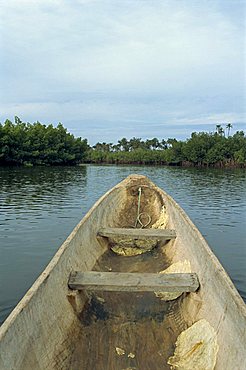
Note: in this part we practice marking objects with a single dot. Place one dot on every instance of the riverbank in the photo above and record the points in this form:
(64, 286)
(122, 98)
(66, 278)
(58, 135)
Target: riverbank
(201, 150)
(37, 144)
(142, 162)
(184, 164)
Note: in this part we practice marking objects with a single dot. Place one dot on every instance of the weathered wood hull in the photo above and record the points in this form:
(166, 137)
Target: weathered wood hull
(55, 328)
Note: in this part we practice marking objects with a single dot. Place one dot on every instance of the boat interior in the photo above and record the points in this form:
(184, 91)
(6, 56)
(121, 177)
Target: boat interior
(123, 328)
(134, 287)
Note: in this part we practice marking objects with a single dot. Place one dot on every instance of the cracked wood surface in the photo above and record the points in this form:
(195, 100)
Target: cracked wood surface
(159, 234)
(130, 282)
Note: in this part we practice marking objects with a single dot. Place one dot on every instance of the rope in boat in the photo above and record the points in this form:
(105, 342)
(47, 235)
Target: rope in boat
(141, 214)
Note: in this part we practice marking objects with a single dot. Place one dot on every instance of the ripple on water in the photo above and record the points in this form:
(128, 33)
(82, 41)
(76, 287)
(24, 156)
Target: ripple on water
(39, 207)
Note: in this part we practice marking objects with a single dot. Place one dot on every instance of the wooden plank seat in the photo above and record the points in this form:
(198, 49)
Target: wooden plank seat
(159, 234)
(133, 282)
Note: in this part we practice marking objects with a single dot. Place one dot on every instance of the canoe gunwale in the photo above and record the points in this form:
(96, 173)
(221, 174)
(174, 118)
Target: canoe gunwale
(52, 271)
(62, 249)
(38, 283)
(213, 259)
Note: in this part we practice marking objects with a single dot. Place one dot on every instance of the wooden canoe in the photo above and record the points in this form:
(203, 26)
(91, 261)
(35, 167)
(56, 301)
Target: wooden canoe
(103, 304)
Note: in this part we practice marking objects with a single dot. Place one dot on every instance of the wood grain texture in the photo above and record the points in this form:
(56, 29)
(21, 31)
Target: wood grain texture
(159, 234)
(133, 282)
(49, 331)
(135, 322)
(145, 345)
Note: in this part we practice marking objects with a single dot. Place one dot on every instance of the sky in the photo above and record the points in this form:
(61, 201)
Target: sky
(109, 69)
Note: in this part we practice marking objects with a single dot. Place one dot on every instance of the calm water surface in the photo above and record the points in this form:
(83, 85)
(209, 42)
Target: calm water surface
(39, 207)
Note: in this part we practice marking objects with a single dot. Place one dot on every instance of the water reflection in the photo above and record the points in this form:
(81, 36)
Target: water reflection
(27, 186)
(214, 199)
(40, 206)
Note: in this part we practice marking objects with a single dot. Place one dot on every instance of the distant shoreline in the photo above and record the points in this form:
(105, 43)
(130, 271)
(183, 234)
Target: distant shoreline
(218, 165)
(36, 144)
(180, 165)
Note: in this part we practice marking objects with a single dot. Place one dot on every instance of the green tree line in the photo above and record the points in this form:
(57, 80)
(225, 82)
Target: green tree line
(38, 144)
(201, 149)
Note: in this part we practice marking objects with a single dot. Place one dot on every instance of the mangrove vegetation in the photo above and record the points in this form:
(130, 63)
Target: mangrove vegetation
(201, 149)
(37, 144)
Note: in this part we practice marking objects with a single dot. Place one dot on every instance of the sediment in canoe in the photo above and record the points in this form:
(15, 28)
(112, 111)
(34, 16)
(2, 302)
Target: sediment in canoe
(56, 327)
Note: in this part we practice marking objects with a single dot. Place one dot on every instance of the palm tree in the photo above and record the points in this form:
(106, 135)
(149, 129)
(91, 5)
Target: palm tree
(218, 128)
(163, 144)
(221, 131)
(152, 144)
(124, 144)
(135, 143)
(155, 143)
(170, 142)
(229, 127)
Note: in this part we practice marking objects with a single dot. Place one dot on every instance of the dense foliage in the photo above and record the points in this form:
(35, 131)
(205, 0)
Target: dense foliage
(37, 144)
(202, 149)
(28, 144)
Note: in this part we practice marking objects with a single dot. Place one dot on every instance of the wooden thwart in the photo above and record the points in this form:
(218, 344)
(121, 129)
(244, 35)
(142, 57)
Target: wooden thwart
(133, 282)
(160, 234)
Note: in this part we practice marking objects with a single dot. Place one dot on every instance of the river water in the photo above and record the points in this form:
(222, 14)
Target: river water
(40, 206)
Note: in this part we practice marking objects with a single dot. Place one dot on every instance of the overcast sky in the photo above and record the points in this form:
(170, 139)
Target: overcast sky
(109, 69)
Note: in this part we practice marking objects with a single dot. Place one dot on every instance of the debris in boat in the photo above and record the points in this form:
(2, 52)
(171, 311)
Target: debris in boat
(108, 268)
(162, 221)
(120, 351)
(131, 355)
(93, 310)
(129, 247)
(196, 348)
(100, 299)
(178, 268)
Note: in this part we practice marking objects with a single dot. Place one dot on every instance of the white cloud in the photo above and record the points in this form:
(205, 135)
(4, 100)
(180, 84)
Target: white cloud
(141, 60)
